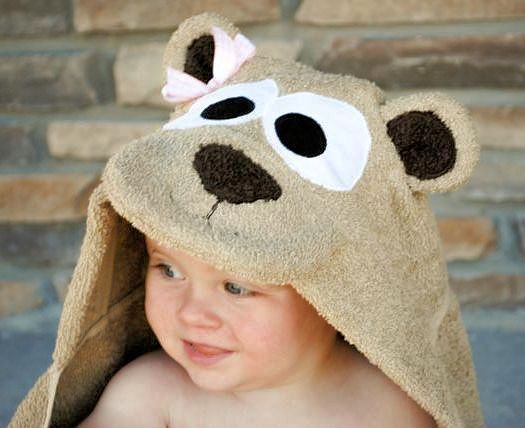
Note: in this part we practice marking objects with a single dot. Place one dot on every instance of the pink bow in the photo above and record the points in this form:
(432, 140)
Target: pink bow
(229, 55)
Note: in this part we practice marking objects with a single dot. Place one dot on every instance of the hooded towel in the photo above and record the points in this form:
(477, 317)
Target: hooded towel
(281, 174)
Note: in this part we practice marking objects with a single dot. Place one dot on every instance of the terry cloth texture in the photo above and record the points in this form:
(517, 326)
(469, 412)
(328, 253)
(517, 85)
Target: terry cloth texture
(283, 175)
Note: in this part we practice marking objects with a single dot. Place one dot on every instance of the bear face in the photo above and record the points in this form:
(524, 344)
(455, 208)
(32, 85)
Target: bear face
(322, 151)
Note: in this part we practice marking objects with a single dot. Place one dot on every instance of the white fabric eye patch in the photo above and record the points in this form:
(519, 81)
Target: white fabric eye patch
(324, 140)
(260, 94)
(313, 118)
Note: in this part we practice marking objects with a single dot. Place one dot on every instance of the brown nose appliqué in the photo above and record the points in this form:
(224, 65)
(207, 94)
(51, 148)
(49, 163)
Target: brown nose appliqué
(232, 176)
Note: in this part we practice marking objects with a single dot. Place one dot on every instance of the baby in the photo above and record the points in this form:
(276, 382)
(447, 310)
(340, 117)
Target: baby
(238, 354)
(295, 275)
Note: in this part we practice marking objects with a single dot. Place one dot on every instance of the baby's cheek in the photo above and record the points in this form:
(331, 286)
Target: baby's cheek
(268, 338)
(159, 313)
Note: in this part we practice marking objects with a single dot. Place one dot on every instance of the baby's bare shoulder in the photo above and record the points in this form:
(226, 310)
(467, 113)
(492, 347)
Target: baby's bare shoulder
(387, 404)
(140, 394)
(402, 411)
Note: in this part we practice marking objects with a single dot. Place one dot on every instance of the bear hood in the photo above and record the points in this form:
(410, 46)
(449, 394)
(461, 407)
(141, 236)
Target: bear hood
(281, 174)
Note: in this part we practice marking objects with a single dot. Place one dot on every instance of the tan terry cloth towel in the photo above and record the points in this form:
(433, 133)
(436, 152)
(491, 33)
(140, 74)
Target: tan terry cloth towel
(280, 174)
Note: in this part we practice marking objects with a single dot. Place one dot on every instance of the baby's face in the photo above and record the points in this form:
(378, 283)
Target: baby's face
(230, 334)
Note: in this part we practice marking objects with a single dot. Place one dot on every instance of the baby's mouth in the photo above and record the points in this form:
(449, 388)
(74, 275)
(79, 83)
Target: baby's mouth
(205, 355)
(207, 349)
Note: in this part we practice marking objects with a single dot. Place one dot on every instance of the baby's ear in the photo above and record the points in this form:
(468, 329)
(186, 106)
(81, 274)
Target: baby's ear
(191, 47)
(434, 138)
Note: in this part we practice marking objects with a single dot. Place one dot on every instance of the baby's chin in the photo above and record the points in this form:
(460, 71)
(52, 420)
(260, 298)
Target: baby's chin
(220, 381)
(223, 377)
(213, 382)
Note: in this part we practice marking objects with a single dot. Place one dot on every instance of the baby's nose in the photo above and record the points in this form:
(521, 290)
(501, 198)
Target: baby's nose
(198, 313)
(232, 176)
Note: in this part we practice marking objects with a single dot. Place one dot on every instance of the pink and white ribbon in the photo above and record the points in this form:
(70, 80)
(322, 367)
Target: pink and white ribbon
(229, 55)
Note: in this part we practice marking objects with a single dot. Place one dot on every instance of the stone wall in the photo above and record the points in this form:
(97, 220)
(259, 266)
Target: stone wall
(79, 78)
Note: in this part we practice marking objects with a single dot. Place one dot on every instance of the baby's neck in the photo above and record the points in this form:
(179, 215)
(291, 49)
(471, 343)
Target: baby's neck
(322, 380)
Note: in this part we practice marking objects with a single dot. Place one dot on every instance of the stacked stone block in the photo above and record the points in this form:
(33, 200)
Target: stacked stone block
(81, 78)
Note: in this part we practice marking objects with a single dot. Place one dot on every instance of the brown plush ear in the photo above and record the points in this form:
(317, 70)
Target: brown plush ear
(199, 58)
(434, 138)
(191, 47)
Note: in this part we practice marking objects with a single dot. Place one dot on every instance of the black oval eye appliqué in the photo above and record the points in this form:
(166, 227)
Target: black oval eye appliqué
(301, 134)
(228, 108)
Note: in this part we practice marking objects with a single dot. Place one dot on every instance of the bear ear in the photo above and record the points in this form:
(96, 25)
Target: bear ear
(434, 138)
(191, 47)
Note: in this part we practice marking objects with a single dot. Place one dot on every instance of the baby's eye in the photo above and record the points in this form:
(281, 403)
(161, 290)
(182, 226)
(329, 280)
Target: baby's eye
(237, 289)
(168, 271)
